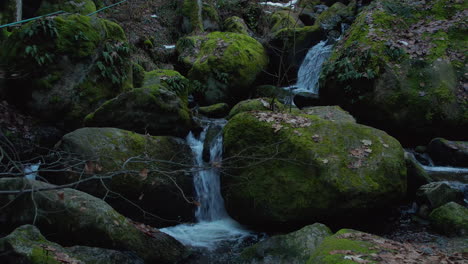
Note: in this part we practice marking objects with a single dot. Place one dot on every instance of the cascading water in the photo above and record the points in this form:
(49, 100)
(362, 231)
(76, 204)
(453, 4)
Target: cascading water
(214, 226)
(19, 10)
(453, 176)
(207, 182)
(309, 72)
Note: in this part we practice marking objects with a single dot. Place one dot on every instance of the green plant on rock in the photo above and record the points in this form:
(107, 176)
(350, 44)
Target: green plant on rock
(222, 77)
(179, 85)
(352, 65)
(112, 63)
(44, 30)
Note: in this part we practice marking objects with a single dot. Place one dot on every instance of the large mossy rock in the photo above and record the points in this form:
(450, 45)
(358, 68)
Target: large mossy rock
(300, 168)
(225, 63)
(150, 172)
(448, 153)
(450, 219)
(405, 78)
(153, 109)
(292, 248)
(72, 217)
(66, 66)
(27, 245)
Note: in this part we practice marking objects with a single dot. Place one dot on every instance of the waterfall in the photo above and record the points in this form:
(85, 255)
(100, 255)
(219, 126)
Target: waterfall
(309, 72)
(206, 181)
(214, 226)
(19, 10)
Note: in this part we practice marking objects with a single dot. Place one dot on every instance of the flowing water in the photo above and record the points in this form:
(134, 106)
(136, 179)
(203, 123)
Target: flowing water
(19, 10)
(214, 227)
(309, 72)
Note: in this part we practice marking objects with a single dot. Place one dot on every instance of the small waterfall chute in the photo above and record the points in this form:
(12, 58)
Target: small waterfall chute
(214, 226)
(309, 71)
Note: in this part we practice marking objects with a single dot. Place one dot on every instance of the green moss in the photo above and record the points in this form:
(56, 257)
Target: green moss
(243, 54)
(259, 104)
(322, 253)
(225, 63)
(113, 30)
(236, 25)
(191, 11)
(442, 9)
(138, 75)
(216, 110)
(40, 255)
(291, 36)
(210, 12)
(153, 109)
(76, 34)
(333, 16)
(284, 19)
(450, 219)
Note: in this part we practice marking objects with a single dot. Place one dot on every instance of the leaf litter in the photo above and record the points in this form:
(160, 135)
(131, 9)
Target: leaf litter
(392, 252)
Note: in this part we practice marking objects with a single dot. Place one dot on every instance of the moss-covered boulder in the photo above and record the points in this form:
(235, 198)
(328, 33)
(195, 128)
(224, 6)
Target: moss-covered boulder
(259, 104)
(300, 168)
(76, 218)
(450, 219)
(152, 109)
(83, 7)
(405, 78)
(225, 63)
(66, 66)
(448, 153)
(236, 24)
(216, 110)
(292, 248)
(27, 245)
(150, 173)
